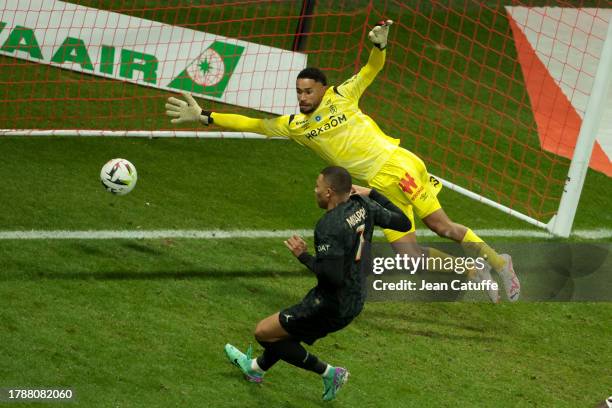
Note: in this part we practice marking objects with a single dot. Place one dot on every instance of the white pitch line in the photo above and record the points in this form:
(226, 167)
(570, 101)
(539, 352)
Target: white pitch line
(227, 234)
(149, 234)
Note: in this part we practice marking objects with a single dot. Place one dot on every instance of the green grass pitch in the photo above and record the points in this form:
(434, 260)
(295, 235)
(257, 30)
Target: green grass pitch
(135, 323)
(142, 323)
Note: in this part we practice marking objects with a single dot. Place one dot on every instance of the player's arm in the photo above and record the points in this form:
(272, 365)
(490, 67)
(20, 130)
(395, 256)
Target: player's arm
(328, 268)
(189, 111)
(393, 218)
(355, 86)
(387, 214)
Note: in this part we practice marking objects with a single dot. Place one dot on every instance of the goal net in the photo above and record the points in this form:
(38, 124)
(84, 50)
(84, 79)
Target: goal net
(491, 96)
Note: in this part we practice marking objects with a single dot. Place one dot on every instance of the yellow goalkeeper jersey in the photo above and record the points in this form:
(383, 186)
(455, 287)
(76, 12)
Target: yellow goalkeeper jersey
(338, 131)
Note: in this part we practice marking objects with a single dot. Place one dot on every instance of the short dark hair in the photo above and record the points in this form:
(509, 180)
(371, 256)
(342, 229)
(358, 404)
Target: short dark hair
(313, 73)
(339, 179)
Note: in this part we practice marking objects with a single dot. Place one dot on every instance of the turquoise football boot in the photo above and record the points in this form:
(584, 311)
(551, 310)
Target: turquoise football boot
(243, 362)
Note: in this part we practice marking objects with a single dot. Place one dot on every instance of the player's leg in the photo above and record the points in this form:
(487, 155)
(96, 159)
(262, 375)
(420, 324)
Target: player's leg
(502, 264)
(266, 331)
(407, 244)
(395, 182)
(305, 322)
(270, 329)
(441, 224)
(406, 182)
(293, 352)
(279, 344)
(429, 210)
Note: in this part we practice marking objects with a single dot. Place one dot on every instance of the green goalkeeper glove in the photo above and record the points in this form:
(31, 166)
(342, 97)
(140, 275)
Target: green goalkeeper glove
(379, 34)
(187, 112)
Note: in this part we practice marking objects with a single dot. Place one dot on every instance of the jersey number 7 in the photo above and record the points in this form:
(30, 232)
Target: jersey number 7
(360, 230)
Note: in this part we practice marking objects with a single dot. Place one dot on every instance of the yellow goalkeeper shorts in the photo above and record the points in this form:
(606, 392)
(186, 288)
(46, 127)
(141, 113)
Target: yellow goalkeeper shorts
(404, 180)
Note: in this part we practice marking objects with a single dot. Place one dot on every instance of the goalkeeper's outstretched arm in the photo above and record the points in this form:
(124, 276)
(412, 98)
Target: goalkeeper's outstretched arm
(189, 111)
(355, 86)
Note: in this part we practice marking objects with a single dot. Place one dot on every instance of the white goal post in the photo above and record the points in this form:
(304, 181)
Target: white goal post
(601, 95)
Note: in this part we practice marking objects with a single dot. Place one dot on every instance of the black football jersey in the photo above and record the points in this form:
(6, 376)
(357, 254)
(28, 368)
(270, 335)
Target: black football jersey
(343, 233)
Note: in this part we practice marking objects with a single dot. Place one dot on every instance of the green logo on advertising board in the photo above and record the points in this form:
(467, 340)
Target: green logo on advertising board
(210, 73)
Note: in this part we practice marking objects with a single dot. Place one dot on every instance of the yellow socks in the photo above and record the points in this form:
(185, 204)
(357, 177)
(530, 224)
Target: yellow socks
(475, 246)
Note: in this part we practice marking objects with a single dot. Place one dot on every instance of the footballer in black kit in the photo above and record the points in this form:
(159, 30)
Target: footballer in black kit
(351, 214)
(339, 239)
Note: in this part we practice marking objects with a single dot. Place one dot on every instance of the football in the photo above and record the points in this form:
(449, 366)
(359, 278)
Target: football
(118, 176)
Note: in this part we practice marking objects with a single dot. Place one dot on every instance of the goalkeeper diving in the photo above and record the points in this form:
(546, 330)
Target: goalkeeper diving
(331, 124)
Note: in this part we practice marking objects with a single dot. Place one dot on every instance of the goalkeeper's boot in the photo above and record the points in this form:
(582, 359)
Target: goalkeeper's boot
(483, 275)
(243, 362)
(510, 280)
(333, 381)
